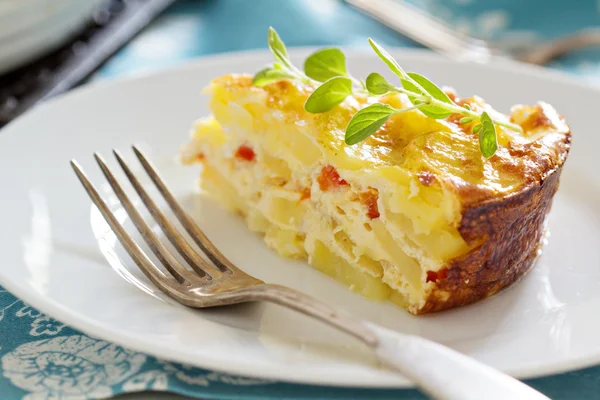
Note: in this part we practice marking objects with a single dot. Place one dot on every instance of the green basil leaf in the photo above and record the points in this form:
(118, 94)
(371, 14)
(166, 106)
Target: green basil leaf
(432, 90)
(476, 128)
(488, 141)
(367, 121)
(377, 85)
(277, 47)
(387, 59)
(270, 75)
(331, 93)
(466, 120)
(325, 64)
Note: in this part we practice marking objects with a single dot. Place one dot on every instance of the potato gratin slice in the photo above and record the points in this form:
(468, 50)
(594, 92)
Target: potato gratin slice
(414, 214)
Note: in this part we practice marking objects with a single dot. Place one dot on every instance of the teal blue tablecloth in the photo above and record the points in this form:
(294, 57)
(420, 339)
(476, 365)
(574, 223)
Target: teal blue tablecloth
(43, 359)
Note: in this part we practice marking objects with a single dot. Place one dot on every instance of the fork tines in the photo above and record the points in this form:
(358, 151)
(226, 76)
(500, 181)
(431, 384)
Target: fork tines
(204, 271)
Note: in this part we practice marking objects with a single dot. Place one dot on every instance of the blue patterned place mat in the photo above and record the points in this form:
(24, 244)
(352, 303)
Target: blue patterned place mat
(42, 359)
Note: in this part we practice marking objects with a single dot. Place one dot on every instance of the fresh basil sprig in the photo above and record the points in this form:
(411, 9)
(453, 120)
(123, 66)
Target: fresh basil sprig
(368, 120)
(325, 64)
(377, 85)
(326, 70)
(278, 48)
(488, 141)
(419, 84)
(283, 68)
(270, 75)
(387, 59)
(331, 93)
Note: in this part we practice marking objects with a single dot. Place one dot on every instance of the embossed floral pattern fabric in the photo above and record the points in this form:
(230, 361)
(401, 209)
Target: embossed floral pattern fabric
(43, 359)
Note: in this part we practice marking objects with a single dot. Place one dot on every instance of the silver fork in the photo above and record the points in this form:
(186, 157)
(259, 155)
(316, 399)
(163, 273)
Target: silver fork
(423, 28)
(438, 371)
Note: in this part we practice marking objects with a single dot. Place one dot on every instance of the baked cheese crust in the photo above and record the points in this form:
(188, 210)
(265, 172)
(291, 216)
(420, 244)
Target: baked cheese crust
(414, 214)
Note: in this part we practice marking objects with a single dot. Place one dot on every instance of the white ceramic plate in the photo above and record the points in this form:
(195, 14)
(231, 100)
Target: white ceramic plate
(51, 257)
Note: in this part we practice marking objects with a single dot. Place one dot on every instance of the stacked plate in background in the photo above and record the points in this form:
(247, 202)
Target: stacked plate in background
(32, 28)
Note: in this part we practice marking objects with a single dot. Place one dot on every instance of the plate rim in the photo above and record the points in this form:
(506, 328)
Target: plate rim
(117, 336)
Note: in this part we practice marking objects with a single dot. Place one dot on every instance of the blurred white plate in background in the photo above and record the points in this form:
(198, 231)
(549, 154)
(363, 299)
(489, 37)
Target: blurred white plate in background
(17, 16)
(32, 28)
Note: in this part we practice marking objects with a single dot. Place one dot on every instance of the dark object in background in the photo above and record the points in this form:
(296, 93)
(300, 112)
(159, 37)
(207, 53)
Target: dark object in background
(111, 27)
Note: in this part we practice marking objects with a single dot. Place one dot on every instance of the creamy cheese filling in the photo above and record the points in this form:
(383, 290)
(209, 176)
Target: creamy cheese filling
(382, 238)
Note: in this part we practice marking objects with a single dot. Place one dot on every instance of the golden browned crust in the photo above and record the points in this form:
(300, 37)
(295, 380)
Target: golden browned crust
(510, 231)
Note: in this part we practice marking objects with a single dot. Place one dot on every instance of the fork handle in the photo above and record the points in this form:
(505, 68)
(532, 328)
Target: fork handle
(440, 372)
(446, 374)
